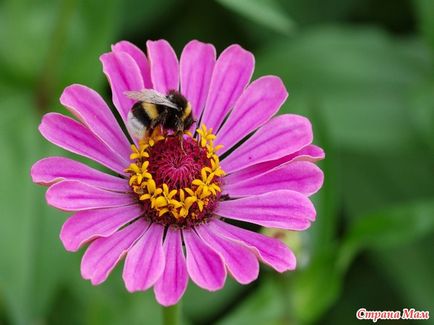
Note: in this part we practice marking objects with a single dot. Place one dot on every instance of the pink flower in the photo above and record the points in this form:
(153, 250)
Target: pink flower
(168, 207)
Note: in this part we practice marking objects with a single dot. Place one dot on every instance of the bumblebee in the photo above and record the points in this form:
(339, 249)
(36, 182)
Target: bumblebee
(171, 112)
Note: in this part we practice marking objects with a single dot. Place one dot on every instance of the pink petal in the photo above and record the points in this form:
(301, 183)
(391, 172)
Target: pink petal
(204, 266)
(281, 136)
(88, 106)
(241, 262)
(77, 196)
(232, 73)
(257, 104)
(310, 153)
(302, 176)
(104, 253)
(85, 226)
(138, 56)
(279, 209)
(164, 66)
(271, 251)
(52, 170)
(197, 65)
(145, 260)
(74, 137)
(123, 75)
(172, 284)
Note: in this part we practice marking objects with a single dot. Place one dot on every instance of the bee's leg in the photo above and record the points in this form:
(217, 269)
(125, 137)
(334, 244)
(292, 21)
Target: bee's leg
(180, 135)
(146, 134)
(181, 140)
(167, 135)
(160, 131)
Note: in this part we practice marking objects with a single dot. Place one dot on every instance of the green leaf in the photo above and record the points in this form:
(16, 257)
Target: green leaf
(119, 306)
(54, 43)
(425, 13)
(78, 302)
(313, 289)
(388, 228)
(374, 182)
(415, 258)
(197, 302)
(23, 49)
(422, 103)
(266, 305)
(360, 79)
(265, 12)
(138, 16)
(309, 12)
(30, 228)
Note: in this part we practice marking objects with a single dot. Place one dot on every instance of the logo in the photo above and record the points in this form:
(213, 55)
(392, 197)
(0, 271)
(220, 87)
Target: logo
(407, 314)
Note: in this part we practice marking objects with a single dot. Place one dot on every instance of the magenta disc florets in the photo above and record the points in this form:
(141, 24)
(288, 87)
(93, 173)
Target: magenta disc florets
(177, 179)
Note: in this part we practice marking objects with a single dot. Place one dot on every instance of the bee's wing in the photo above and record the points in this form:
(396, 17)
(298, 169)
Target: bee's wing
(150, 96)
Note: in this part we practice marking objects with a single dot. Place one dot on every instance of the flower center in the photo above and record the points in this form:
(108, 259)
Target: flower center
(177, 179)
(176, 165)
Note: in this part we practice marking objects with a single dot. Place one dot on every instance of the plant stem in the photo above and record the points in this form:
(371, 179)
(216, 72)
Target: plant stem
(172, 315)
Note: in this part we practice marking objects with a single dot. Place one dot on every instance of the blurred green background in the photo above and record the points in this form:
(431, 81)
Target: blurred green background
(362, 70)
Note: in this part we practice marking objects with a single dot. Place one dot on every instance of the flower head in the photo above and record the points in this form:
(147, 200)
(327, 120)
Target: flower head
(168, 202)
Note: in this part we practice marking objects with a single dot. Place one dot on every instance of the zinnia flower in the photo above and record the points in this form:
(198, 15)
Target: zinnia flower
(168, 203)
